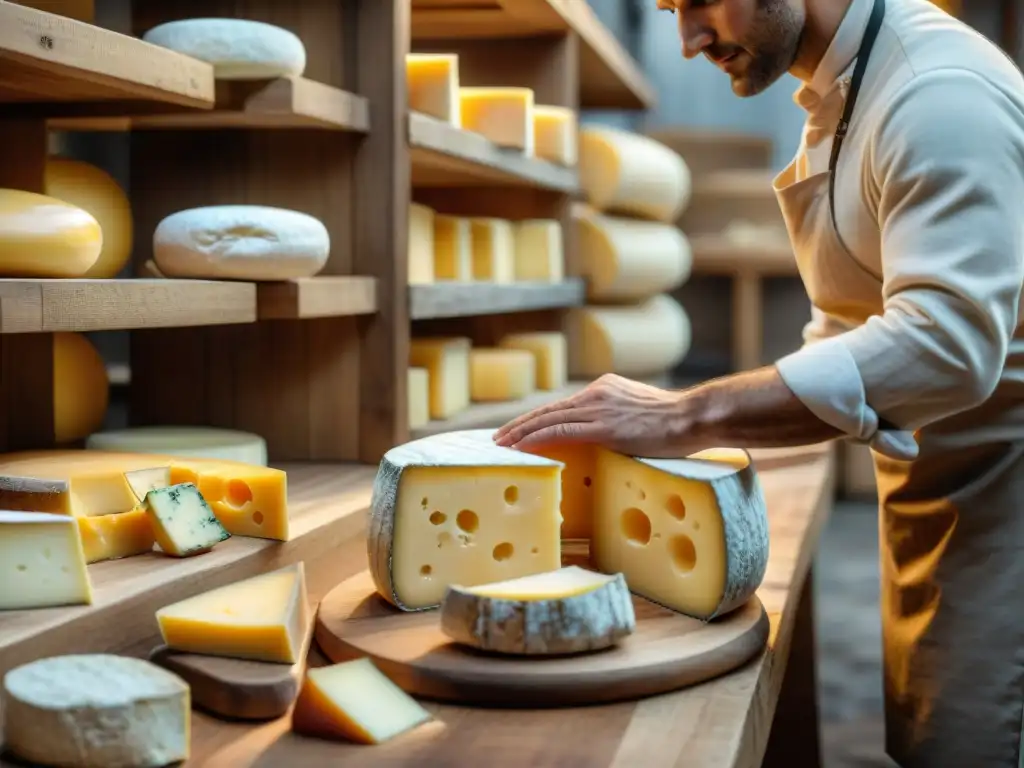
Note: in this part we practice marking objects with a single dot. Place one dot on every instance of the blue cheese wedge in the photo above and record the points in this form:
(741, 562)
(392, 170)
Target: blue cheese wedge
(183, 523)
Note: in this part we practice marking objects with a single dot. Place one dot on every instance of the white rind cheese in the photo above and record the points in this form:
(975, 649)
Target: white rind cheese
(42, 562)
(82, 711)
(238, 49)
(193, 442)
(563, 612)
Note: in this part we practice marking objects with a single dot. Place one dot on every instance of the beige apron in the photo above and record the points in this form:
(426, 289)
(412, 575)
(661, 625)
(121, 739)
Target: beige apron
(952, 552)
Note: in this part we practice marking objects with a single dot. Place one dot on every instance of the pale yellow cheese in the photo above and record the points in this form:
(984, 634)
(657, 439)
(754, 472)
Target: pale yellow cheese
(41, 236)
(550, 353)
(421, 244)
(503, 115)
(447, 364)
(419, 397)
(555, 134)
(111, 537)
(81, 389)
(493, 250)
(42, 563)
(499, 375)
(540, 251)
(578, 495)
(453, 248)
(264, 618)
(433, 84)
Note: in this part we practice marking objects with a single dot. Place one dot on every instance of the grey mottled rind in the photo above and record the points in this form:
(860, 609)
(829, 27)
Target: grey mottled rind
(467, 448)
(588, 622)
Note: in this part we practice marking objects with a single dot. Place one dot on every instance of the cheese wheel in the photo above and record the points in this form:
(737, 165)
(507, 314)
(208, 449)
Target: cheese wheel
(240, 242)
(41, 236)
(94, 190)
(626, 259)
(238, 49)
(634, 340)
(81, 391)
(194, 442)
(623, 172)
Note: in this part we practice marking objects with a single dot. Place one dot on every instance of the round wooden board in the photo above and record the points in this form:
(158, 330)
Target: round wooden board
(668, 651)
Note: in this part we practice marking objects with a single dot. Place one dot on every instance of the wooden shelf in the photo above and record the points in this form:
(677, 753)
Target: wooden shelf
(443, 155)
(427, 302)
(317, 297)
(609, 77)
(34, 306)
(282, 103)
(51, 65)
(717, 255)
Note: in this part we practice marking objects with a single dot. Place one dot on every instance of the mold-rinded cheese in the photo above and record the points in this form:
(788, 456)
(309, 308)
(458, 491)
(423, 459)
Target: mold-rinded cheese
(81, 389)
(494, 247)
(447, 364)
(629, 259)
(690, 534)
(240, 242)
(94, 190)
(624, 172)
(540, 251)
(578, 476)
(238, 49)
(182, 521)
(500, 375)
(453, 248)
(550, 352)
(457, 509)
(354, 701)
(421, 244)
(89, 710)
(41, 236)
(571, 610)
(264, 618)
(635, 340)
(194, 442)
(555, 134)
(111, 537)
(503, 115)
(419, 397)
(42, 563)
(433, 84)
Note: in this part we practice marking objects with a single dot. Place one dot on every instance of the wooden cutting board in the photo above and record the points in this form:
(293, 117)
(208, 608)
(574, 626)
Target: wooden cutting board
(668, 651)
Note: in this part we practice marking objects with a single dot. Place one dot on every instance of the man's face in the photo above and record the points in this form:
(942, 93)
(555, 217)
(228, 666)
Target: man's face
(754, 41)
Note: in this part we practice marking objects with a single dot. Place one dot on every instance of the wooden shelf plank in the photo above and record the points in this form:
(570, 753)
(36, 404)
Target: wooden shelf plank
(52, 65)
(437, 300)
(443, 155)
(609, 77)
(317, 297)
(717, 255)
(40, 306)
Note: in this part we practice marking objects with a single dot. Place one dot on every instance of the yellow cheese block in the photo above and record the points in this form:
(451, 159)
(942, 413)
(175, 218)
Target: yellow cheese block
(550, 353)
(433, 84)
(453, 248)
(540, 251)
(42, 562)
(578, 476)
(95, 191)
(264, 618)
(354, 701)
(447, 364)
(419, 397)
(555, 134)
(81, 389)
(421, 244)
(493, 250)
(503, 115)
(500, 375)
(111, 537)
(41, 236)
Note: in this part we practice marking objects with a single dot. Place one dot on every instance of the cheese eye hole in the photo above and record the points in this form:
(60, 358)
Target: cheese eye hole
(683, 552)
(511, 494)
(676, 507)
(438, 518)
(239, 494)
(467, 520)
(503, 551)
(636, 526)
(426, 571)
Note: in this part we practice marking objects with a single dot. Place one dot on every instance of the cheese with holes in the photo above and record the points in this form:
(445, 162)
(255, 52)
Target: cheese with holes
(421, 244)
(578, 487)
(571, 610)
(540, 251)
(503, 115)
(354, 701)
(457, 509)
(550, 354)
(264, 618)
(183, 523)
(41, 236)
(195, 442)
(433, 84)
(419, 397)
(42, 563)
(636, 340)
(629, 259)
(447, 364)
(94, 190)
(111, 537)
(624, 172)
(240, 242)
(494, 257)
(453, 248)
(555, 134)
(500, 375)
(81, 390)
(238, 49)
(89, 710)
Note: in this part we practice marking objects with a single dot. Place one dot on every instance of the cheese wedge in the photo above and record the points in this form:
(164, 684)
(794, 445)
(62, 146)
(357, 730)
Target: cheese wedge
(42, 563)
(499, 375)
(555, 134)
(419, 397)
(433, 85)
(453, 248)
(570, 610)
(494, 257)
(540, 251)
(142, 481)
(504, 115)
(550, 353)
(578, 494)
(447, 364)
(111, 537)
(183, 523)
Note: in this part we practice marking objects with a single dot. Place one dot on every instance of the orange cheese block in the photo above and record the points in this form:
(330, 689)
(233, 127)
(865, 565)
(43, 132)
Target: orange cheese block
(111, 537)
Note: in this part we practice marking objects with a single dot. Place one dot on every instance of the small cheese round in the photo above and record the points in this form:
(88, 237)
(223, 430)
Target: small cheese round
(238, 49)
(81, 390)
(194, 442)
(240, 242)
(41, 236)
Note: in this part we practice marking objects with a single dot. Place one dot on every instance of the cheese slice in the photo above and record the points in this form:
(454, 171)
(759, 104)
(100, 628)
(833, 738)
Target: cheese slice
(111, 537)
(182, 521)
(555, 133)
(42, 563)
(453, 248)
(447, 364)
(500, 375)
(570, 610)
(550, 354)
(264, 618)
(540, 251)
(421, 244)
(503, 115)
(41, 236)
(354, 701)
(457, 509)
(195, 442)
(419, 397)
(494, 257)
(433, 83)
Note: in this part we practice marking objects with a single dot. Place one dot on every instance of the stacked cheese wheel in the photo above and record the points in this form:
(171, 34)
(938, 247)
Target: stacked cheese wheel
(633, 256)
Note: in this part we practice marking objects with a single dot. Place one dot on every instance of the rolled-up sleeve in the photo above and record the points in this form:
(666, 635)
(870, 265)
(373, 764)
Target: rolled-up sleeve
(948, 162)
